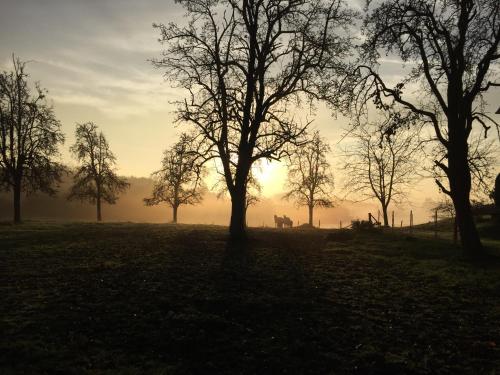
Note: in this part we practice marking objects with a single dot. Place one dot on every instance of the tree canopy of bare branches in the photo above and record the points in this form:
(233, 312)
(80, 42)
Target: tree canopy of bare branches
(310, 181)
(179, 181)
(483, 159)
(245, 65)
(452, 48)
(382, 166)
(253, 186)
(95, 180)
(29, 137)
(444, 208)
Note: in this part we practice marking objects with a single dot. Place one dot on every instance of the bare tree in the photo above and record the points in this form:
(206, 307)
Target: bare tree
(310, 181)
(381, 166)
(253, 188)
(444, 208)
(29, 139)
(452, 48)
(482, 159)
(245, 65)
(179, 181)
(95, 180)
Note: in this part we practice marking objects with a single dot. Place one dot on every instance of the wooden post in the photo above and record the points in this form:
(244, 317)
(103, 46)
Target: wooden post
(411, 221)
(393, 219)
(401, 223)
(319, 223)
(370, 217)
(340, 225)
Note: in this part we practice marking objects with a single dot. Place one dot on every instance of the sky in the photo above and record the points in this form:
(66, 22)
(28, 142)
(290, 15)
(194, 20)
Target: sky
(93, 57)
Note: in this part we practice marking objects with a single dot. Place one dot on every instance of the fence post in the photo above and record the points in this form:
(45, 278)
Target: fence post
(393, 219)
(411, 221)
(340, 225)
(319, 223)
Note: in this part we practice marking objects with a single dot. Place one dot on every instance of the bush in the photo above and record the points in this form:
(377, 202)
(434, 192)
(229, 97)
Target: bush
(362, 225)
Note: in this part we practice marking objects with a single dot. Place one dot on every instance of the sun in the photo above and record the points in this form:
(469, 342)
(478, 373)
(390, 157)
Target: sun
(271, 175)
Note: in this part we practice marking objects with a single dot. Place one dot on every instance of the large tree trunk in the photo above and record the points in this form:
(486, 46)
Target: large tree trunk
(174, 214)
(459, 177)
(98, 205)
(237, 226)
(469, 235)
(386, 216)
(17, 202)
(311, 213)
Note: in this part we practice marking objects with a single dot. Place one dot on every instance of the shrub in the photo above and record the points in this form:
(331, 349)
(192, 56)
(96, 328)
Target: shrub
(362, 225)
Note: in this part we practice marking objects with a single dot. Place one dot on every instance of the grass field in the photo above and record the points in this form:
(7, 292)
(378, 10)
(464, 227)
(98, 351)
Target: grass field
(164, 299)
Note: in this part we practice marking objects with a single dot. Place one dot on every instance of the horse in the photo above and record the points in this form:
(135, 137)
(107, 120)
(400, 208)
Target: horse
(287, 222)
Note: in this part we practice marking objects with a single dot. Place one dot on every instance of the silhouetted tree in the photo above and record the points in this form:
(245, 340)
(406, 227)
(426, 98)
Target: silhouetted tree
(95, 180)
(179, 181)
(482, 159)
(381, 166)
(452, 47)
(253, 188)
(310, 181)
(245, 64)
(444, 208)
(29, 137)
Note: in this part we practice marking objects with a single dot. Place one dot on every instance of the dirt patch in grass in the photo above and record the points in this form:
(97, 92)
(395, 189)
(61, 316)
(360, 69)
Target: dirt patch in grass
(133, 298)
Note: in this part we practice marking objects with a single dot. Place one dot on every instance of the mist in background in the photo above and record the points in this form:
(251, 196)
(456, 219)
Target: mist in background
(130, 208)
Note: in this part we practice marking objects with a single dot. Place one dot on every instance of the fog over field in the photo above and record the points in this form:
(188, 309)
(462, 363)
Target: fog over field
(130, 207)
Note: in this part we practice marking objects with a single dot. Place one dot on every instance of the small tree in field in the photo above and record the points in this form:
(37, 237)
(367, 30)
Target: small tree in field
(310, 181)
(382, 167)
(95, 180)
(444, 209)
(29, 137)
(179, 181)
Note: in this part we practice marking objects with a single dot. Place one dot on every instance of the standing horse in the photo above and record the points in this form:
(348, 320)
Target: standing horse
(278, 221)
(287, 222)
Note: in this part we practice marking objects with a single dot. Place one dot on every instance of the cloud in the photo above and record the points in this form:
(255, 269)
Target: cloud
(92, 53)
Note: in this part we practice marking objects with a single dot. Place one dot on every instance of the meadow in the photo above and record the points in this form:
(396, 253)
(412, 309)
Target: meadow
(130, 298)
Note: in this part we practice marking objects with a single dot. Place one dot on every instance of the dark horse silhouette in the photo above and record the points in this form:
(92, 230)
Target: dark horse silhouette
(282, 222)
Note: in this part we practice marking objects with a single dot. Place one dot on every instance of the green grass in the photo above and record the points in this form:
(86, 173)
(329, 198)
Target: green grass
(164, 299)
